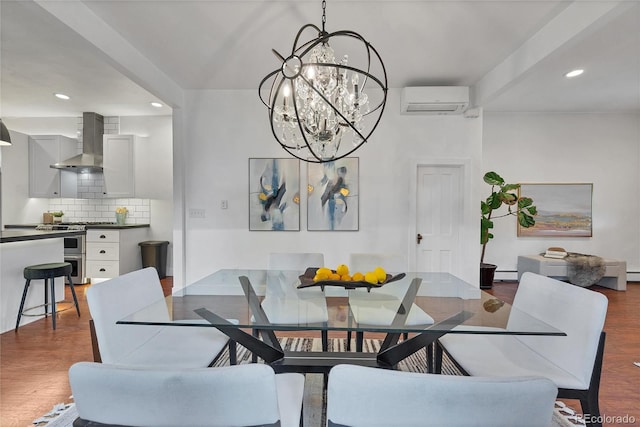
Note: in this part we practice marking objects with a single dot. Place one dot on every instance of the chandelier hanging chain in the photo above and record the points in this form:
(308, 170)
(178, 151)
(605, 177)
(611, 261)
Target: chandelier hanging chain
(316, 99)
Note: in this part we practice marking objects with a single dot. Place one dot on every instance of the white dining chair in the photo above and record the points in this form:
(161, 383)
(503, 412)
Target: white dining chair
(284, 303)
(573, 362)
(148, 345)
(241, 395)
(372, 397)
(393, 263)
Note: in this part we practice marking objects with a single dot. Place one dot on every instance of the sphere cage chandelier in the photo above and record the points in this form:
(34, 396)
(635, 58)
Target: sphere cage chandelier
(314, 100)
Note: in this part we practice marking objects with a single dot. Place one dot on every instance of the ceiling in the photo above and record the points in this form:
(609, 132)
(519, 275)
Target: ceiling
(512, 54)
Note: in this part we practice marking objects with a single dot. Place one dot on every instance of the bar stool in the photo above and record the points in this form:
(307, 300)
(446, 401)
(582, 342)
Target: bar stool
(47, 272)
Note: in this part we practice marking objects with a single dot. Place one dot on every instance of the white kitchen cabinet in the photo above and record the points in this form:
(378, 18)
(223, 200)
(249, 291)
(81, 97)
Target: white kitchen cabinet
(44, 181)
(113, 252)
(119, 165)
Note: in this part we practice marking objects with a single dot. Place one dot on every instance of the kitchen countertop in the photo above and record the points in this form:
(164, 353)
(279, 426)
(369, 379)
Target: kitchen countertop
(88, 226)
(8, 236)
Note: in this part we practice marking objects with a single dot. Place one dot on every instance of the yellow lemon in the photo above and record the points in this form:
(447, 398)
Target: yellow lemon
(334, 276)
(342, 269)
(380, 274)
(357, 277)
(371, 277)
(320, 276)
(345, 278)
(324, 271)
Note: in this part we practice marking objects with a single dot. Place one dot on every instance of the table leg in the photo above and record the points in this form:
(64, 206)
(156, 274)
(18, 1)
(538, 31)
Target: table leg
(394, 354)
(265, 351)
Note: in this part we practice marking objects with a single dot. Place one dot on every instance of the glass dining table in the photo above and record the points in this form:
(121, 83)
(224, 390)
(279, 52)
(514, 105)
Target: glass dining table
(419, 306)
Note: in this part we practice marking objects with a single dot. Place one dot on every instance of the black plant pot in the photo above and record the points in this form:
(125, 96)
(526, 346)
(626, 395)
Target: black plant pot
(487, 272)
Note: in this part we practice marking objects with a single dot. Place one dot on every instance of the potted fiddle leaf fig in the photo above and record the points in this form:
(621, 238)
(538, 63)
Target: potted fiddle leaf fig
(517, 205)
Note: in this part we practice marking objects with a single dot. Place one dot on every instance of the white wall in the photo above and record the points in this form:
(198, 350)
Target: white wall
(158, 168)
(603, 149)
(224, 129)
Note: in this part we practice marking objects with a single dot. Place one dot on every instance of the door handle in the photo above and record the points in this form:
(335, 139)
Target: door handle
(103, 251)
(102, 236)
(418, 238)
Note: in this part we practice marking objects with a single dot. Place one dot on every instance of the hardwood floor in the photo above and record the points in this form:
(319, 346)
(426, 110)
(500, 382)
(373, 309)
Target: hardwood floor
(34, 361)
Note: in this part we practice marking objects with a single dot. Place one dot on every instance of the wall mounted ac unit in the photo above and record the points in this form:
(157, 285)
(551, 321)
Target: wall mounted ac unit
(434, 100)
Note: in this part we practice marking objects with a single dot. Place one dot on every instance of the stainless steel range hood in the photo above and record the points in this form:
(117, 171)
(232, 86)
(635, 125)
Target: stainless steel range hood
(91, 158)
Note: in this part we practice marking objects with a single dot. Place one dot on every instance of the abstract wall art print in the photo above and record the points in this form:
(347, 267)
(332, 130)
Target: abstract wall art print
(564, 210)
(274, 195)
(333, 195)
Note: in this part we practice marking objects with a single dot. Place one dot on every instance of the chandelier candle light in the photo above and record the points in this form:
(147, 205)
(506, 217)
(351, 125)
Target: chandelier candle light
(314, 99)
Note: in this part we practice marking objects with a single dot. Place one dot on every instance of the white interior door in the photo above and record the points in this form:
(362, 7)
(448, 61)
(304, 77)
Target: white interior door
(439, 213)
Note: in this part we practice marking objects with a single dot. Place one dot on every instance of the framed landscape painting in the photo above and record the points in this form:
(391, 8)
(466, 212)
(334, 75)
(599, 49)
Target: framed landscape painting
(274, 195)
(332, 195)
(564, 210)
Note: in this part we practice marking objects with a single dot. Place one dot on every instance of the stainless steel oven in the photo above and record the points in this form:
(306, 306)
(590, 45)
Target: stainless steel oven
(74, 249)
(77, 268)
(74, 253)
(74, 245)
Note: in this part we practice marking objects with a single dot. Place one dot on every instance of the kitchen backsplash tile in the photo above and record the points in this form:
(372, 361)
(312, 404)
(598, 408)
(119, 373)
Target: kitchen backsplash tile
(102, 209)
(91, 186)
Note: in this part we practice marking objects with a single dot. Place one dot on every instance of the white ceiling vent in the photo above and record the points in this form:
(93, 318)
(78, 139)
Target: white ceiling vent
(434, 100)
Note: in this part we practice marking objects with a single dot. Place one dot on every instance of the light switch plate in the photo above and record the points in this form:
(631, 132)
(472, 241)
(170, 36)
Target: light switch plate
(196, 213)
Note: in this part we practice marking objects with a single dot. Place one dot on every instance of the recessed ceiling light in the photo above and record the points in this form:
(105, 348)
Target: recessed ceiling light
(574, 73)
(61, 96)
(156, 104)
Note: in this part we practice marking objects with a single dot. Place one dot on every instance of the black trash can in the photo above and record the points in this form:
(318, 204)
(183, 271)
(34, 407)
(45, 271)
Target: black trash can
(154, 254)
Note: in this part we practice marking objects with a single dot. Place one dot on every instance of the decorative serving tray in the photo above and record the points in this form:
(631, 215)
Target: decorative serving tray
(306, 281)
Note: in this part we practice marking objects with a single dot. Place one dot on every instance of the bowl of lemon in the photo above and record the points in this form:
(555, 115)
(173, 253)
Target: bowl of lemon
(341, 276)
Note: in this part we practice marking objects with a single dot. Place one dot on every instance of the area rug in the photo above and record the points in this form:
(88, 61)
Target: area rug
(314, 396)
(61, 415)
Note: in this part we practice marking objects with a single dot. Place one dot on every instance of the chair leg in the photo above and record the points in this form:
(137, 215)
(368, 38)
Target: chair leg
(589, 401)
(73, 293)
(256, 334)
(46, 297)
(325, 340)
(359, 341)
(233, 353)
(301, 423)
(437, 363)
(590, 406)
(348, 340)
(429, 350)
(52, 284)
(24, 297)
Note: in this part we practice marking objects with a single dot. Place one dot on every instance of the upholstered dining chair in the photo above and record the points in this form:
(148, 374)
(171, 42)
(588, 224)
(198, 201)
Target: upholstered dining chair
(362, 396)
(573, 362)
(148, 345)
(393, 263)
(284, 304)
(241, 395)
